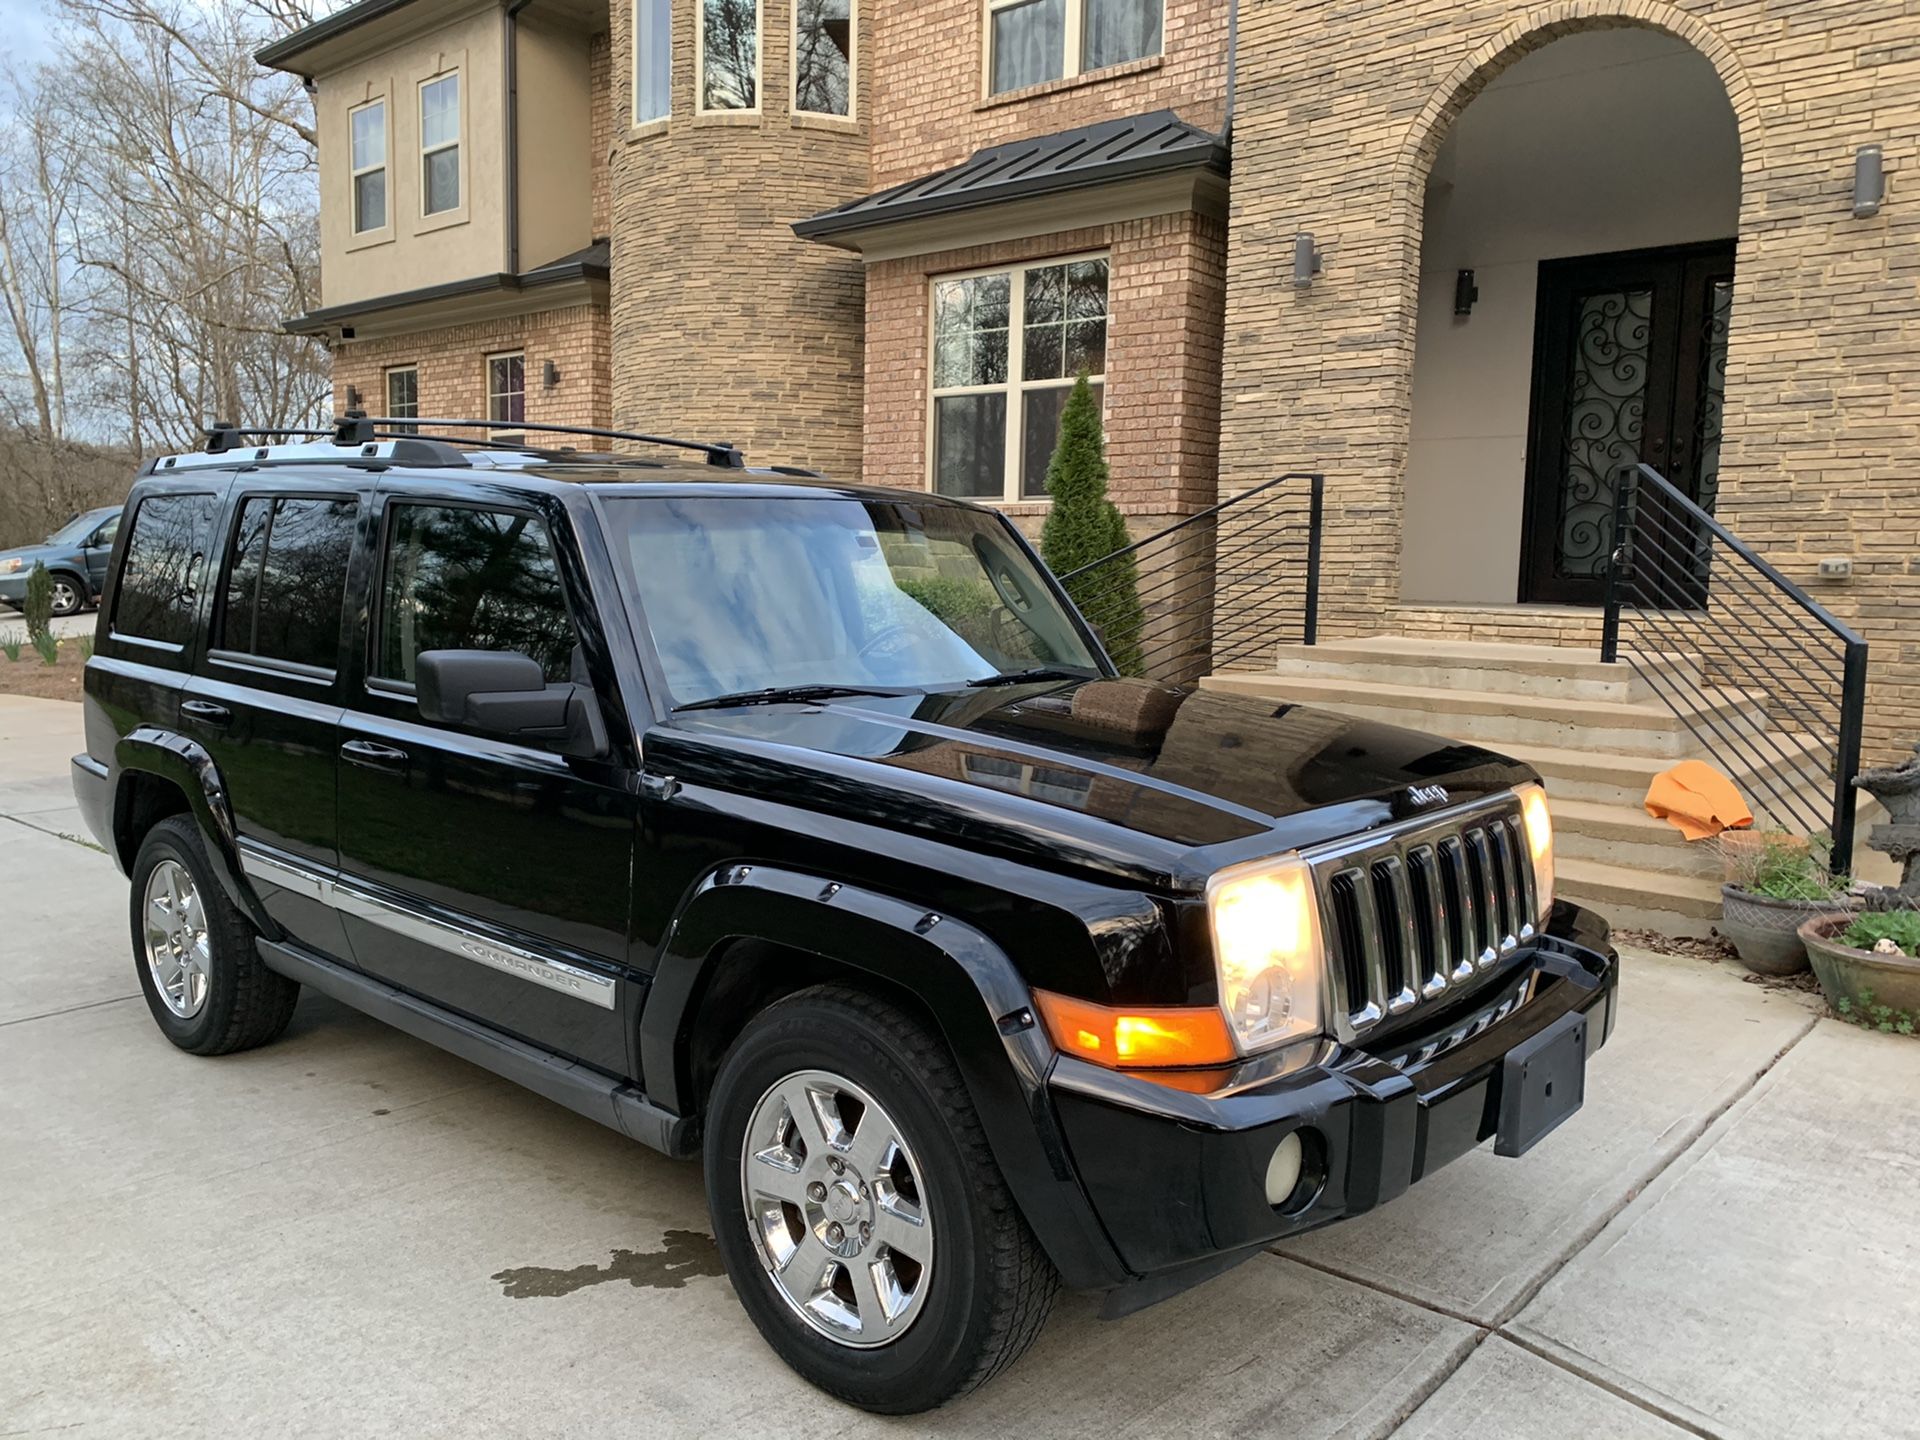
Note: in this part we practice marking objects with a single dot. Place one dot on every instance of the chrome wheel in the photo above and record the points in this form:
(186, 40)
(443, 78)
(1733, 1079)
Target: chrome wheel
(176, 938)
(66, 598)
(834, 1200)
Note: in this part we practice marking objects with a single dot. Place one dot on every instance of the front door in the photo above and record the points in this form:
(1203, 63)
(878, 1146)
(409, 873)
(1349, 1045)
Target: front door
(1630, 367)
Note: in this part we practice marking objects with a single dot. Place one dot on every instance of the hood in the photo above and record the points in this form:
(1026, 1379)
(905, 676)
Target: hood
(43, 552)
(1121, 775)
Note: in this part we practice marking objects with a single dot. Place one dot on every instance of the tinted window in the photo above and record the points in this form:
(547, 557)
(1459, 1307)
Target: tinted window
(459, 579)
(165, 560)
(287, 578)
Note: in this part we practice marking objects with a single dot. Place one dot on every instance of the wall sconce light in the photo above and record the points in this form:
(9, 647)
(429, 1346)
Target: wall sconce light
(549, 374)
(1465, 292)
(1306, 260)
(353, 397)
(1869, 182)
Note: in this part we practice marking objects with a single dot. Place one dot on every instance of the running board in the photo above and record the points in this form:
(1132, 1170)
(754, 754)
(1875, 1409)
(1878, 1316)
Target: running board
(614, 1103)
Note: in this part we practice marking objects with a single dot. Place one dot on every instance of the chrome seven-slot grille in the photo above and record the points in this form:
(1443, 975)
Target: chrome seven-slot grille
(1414, 915)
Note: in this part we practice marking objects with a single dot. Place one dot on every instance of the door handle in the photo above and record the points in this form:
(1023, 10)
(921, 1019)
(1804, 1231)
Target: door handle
(374, 757)
(206, 712)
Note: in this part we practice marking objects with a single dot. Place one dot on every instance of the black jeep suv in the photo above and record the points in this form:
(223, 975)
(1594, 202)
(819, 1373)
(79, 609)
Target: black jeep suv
(807, 827)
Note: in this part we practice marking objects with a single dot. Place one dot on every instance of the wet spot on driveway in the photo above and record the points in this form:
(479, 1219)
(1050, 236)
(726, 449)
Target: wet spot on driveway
(686, 1253)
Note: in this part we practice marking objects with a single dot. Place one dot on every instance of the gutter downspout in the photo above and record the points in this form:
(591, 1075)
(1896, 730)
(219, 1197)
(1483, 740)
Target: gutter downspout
(1233, 66)
(511, 41)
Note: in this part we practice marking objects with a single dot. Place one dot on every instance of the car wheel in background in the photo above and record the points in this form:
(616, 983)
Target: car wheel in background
(69, 595)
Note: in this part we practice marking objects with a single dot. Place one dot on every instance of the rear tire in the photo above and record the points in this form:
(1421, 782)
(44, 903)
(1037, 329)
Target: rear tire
(985, 1288)
(194, 950)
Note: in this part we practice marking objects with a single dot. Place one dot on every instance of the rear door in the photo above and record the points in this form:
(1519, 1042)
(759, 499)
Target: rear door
(265, 696)
(489, 875)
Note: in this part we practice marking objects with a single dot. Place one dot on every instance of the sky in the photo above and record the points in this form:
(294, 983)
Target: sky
(27, 28)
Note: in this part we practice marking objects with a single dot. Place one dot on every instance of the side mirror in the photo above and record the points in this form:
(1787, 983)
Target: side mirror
(506, 693)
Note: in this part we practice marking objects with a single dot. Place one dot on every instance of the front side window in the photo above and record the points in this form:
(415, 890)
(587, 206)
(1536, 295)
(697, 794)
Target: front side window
(507, 388)
(440, 145)
(729, 54)
(454, 578)
(1007, 348)
(370, 167)
(1030, 42)
(403, 396)
(287, 579)
(823, 57)
(166, 558)
(652, 60)
(742, 594)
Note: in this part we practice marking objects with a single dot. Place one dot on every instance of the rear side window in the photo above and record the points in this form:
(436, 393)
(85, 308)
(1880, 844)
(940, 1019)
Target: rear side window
(166, 559)
(287, 579)
(455, 578)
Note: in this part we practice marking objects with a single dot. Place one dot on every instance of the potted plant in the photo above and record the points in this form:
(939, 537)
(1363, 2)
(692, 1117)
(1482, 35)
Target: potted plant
(1868, 965)
(1779, 885)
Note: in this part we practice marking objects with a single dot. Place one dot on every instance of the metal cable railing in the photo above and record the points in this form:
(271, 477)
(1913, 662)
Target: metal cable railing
(1214, 590)
(1764, 676)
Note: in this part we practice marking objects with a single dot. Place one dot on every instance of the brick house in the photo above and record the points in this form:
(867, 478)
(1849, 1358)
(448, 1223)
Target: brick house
(883, 239)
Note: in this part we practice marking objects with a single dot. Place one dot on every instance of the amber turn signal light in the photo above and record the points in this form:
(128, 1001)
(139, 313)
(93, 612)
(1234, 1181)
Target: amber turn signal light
(1133, 1037)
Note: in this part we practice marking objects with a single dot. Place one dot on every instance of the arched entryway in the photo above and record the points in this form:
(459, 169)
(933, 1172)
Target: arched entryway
(1575, 290)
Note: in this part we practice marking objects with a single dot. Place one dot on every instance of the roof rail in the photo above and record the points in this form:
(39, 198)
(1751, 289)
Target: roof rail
(223, 436)
(358, 428)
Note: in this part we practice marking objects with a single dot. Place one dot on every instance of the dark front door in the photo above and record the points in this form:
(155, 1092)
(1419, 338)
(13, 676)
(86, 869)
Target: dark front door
(1630, 366)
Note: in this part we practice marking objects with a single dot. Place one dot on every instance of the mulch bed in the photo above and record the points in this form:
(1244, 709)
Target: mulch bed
(30, 675)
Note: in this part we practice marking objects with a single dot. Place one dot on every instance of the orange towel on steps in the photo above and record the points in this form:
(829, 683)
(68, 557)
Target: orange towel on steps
(1697, 800)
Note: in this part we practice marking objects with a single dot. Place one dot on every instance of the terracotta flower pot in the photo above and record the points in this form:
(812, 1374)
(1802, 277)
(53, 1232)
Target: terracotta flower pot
(1847, 974)
(1766, 932)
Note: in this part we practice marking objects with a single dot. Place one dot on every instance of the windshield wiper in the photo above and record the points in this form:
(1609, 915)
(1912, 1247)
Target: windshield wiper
(1037, 672)
(787, 695)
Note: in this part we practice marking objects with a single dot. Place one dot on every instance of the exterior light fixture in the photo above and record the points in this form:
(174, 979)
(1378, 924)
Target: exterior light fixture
(549, 374)
(1869, 182)
(1306, 259)
(353, 397)
(1465, 292)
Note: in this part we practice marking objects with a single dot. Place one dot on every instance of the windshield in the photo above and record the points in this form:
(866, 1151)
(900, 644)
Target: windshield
(76, 529)
(751, 593)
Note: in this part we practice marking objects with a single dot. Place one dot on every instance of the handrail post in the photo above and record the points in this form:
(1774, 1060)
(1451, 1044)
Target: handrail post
(1316, 507)
(1617, 561)
(1846, 760)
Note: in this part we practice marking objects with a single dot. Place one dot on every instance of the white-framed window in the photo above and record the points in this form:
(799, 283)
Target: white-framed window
(1008, 345)
(507, 388)
(652, 60)
(727, 59)
(1030, 42)
(823, 57)
(440, 144)
(403, 395)
(369, 164)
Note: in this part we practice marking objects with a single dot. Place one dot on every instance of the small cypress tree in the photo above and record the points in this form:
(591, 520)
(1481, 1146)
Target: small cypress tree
(39, 603)
(1084, 526)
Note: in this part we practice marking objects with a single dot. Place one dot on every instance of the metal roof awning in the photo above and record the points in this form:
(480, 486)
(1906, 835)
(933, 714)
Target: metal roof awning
(1133, 148)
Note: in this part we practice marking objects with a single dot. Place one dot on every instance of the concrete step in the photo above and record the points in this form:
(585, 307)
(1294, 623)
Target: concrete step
(1512, 669)
(1629, 837)
(1641, 899)
(1501, 721)
(1614, 779)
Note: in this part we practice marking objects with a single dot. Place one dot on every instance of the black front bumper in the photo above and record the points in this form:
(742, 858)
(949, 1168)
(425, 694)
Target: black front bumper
(1178, 1179)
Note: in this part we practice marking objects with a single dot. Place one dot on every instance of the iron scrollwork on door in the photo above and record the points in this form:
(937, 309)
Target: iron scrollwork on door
(1606, 418)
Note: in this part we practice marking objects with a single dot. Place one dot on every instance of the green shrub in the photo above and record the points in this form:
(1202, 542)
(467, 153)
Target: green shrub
(1083, 526)
(39, 603)
(10, 645)
(48, 645)
(1780, 870)
(1900, 926)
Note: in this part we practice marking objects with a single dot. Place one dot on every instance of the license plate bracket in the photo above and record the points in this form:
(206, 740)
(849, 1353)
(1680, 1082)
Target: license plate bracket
(1543, 1081)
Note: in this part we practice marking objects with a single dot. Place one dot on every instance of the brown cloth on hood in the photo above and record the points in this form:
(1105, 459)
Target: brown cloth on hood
(1697, 800)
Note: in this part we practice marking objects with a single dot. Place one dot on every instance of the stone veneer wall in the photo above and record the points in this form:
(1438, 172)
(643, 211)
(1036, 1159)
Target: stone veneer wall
(1340, 112)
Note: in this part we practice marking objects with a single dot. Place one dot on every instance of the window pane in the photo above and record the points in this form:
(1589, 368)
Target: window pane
(1046, 294)
(1086, 348)
(458, 579)
(370, 200)
(1045, 345)
(1086, 289)
(443, 180)
(369, 136)
(507, 388)
(969, 446)
(287, 605)
(166, 561)
(823, 57)
(991, 295)
(440, 112)
(970, 319)
(730, 37)
(1040, 435)
(1119, 30)
(403, 397)
(653, 59)
(1029, 44)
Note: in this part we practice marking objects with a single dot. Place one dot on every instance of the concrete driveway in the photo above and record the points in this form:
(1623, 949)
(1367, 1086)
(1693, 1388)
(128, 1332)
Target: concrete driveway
(350, 1233)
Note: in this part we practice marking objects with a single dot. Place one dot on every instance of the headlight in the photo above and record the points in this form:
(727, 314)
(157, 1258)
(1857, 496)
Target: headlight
(1538, 822)
(1266, 948)
(9, 567)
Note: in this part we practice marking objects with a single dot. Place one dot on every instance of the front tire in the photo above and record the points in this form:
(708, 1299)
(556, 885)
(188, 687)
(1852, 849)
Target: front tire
(861, 1215)
(194, 950)
(69, 595)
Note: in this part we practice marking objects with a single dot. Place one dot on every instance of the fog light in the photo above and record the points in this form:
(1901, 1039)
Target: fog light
(1283, 1170)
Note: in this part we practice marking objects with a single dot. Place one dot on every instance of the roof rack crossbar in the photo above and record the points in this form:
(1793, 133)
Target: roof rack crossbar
(222, 437)
(356, 428)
